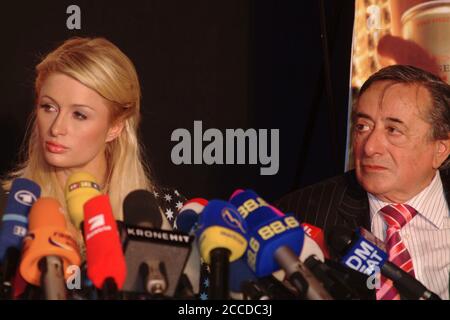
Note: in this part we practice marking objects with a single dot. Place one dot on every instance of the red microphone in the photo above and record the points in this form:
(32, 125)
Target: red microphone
(104, 255)
(318, 236)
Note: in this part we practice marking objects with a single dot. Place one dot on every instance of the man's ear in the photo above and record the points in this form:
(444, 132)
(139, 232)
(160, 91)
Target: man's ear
(114, 131)
(442, 152)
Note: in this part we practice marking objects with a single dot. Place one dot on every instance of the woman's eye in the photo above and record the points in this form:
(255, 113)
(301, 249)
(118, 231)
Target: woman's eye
(80, 116)
(48, 107)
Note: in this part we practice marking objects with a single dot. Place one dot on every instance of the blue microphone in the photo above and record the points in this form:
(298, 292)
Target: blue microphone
(22, 195)
(360, 250)
(268, 231)
(275, 242)
(189, 214)
(222, 238)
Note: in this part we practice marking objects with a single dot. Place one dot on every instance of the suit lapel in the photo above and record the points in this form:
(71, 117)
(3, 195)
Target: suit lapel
(353, 209)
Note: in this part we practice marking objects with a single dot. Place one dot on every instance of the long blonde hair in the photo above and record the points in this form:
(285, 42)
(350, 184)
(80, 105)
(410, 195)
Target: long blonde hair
(101, 66)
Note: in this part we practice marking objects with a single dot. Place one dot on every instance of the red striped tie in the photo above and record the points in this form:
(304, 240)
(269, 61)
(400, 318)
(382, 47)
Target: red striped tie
(395, 216)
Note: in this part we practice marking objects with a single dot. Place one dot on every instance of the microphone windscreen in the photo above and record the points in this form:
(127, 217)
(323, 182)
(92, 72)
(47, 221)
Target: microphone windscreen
(140, 208)
(104, 253)
(80, 187)
(356, 251)
(47, 212)
(339, 239)
(22, 195)
(221, 226)
(318, 236)
(236, 192)
(47, 236)
(189, 214)
(269, 229)
(268, 238)
(255, 210)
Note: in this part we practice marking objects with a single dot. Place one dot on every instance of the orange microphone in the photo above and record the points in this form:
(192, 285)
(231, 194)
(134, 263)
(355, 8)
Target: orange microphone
(48, 249)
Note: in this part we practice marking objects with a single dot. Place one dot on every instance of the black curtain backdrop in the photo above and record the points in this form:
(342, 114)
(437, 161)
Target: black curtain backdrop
(229, 63)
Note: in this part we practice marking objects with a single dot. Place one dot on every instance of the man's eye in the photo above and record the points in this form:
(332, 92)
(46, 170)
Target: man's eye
(80, 116)
(393, 131)
(361, 127)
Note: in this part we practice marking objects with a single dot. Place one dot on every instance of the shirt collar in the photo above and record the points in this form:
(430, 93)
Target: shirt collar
(433, 193)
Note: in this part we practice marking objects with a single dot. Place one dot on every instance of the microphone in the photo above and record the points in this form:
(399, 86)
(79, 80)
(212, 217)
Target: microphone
(341, 283)
(221, 237)
(80, 187)
(48, 249)
(189, 214)
(267, 288)
(186, 222)
(360, 251)
(141, 209)
(105, 259)
(276, 241)
(14, 227)
(148, 246)
(259, 216)
(245, 286)
(318, 236)
(252, 290)
(309, 248)
(155, 258)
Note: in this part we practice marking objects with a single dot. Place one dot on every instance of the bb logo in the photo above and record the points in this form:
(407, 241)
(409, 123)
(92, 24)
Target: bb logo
(25, 197)
(96, 222)
(232, 220)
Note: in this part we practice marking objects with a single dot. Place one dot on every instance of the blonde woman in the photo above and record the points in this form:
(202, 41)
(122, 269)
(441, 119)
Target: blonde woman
(86, 117)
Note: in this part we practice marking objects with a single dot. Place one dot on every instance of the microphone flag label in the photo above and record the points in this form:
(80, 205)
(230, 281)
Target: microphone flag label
(364, 257)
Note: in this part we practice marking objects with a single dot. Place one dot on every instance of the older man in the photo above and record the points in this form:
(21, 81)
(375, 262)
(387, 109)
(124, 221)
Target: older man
(399, 189)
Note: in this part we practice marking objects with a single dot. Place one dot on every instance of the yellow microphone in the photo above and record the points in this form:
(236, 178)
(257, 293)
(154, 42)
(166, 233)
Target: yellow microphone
(80, 187)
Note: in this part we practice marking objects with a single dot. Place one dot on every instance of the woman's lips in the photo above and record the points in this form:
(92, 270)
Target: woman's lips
(54, 147)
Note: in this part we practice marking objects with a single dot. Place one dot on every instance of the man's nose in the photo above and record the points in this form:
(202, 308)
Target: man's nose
(374, 143)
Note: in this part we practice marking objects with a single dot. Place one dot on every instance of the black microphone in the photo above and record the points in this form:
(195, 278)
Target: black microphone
(337, 283)
(342, 283)
(155, 258)
(140, 208)
(359, 251)
(267, 288)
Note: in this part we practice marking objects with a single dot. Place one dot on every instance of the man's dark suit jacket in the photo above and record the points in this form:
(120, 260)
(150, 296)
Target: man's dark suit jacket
(337, 201)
